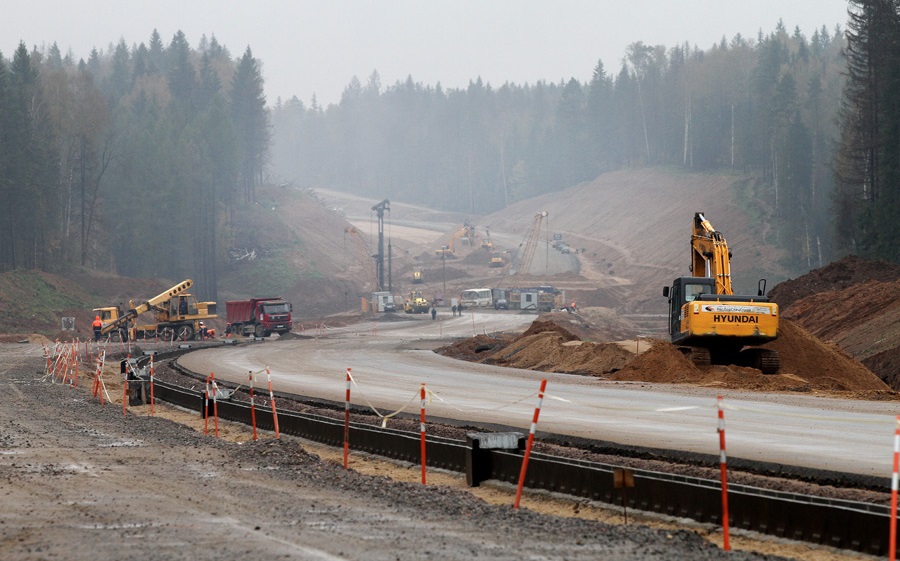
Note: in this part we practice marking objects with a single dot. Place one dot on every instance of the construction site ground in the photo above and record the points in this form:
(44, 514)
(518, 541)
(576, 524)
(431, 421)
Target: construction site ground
(80, 480)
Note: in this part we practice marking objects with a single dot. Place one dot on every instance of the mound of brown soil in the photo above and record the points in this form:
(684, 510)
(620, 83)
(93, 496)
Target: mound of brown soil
(808, 364)
(839, 275)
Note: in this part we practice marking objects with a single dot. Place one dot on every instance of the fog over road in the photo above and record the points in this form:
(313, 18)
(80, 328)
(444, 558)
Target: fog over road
(389, 361)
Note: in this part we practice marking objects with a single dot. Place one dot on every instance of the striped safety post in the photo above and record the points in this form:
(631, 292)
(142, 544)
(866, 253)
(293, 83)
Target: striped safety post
(724, 474)
(272, 399)
(252, 407)
(892, 548)
(534, 420)
(422, 430)
(347, 424)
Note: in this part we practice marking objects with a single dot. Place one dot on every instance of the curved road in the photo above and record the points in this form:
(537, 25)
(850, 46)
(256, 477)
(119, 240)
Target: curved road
(389, 361)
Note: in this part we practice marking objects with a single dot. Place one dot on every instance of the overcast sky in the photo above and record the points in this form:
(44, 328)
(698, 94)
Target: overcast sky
(311, 48)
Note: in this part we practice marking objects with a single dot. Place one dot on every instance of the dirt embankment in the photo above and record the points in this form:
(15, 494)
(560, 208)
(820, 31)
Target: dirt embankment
(854, 304)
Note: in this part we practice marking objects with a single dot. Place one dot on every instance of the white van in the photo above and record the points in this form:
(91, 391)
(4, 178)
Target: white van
(476, 298)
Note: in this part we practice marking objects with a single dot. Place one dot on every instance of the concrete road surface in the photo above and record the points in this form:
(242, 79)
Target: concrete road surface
(389, 361)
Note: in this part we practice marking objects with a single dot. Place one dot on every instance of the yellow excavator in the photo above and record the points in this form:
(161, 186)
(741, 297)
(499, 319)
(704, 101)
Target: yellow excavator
(708, 322)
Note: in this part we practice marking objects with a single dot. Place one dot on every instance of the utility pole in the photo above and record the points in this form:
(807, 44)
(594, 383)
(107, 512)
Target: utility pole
(384, 205)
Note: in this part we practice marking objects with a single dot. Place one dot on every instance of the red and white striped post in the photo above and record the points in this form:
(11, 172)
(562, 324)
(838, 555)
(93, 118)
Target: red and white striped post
(272, 399)
(252, 407)
(892, 547)
(724, 475)
(422, 430)
(347, 424)
(534, 420)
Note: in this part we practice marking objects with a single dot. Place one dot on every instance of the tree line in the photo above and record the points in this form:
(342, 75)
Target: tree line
(867, 162)
(129, 161)
(764, 108)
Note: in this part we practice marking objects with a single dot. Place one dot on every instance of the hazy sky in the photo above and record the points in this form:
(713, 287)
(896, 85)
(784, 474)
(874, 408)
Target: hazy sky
(317, 47)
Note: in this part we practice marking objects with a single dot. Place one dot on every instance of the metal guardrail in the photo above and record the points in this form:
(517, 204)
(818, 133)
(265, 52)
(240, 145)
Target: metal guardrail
(838, 523)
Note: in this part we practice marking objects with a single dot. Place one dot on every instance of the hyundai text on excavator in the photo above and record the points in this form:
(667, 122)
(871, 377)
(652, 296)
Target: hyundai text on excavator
(178, 316)
(711, 324)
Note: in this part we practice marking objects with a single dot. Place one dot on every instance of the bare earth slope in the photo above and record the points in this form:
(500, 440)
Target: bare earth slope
(855, 303)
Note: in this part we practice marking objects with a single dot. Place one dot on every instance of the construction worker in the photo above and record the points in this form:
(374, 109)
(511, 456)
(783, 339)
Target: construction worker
(98, 326)
(203, 330)
(433, 313)
(228, 331)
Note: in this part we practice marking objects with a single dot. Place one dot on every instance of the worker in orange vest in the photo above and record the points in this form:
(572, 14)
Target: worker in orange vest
(97, 325)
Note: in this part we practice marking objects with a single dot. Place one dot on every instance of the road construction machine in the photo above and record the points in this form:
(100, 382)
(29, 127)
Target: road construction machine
(467, 233)
(178, 316)
(708, 322)
(416, 303)
(417, 277)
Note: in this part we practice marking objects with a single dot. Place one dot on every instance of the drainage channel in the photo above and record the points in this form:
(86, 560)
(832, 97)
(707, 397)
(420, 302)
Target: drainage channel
(838, 523)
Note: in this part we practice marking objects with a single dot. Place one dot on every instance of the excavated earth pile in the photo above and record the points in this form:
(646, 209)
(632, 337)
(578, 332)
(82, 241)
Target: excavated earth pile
(808, 364)
(854, 304)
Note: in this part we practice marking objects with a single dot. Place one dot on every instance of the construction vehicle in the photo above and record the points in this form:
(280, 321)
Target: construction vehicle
(497, 259)
(416, 303)
(711, 324)
(467, 232)
(486, 242)
(259, 316)
(417, 277)
(178, 316)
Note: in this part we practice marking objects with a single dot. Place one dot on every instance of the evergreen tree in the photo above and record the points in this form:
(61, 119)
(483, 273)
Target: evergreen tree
(251, 123)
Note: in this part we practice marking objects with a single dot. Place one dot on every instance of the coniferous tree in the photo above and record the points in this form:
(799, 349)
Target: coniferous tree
(251, 123)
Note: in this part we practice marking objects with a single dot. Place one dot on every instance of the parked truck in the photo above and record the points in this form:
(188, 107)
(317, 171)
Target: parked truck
(259, 316)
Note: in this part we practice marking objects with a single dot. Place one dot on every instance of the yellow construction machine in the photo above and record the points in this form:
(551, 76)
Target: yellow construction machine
(711, 324)
(416, 303)
(417, 277)
(178, 316)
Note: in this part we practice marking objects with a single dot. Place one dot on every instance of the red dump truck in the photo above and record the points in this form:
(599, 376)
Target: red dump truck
(259, 316)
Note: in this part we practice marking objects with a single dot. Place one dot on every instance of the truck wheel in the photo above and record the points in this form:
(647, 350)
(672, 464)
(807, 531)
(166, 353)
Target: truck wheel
(260, 331)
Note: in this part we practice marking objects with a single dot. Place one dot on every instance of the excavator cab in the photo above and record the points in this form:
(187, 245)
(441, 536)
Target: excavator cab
(683, 291)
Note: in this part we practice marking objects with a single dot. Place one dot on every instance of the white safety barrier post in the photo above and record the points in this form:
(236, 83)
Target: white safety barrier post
(206, 408)
(422, 430)
(722, 466)
(534, 420)
(892, 547)
(272, 399)
(347, 424)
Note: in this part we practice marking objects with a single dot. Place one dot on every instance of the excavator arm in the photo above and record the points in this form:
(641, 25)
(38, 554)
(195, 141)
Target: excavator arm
(710, 256)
